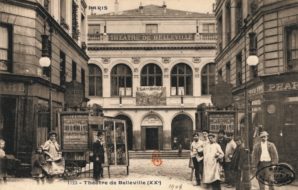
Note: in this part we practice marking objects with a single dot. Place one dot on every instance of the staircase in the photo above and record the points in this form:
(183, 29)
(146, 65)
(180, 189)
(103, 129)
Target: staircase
(148, 154)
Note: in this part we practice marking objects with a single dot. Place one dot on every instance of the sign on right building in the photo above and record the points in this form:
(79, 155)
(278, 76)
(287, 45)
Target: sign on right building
(267, 90)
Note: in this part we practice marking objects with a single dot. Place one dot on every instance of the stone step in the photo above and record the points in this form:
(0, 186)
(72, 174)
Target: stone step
(173, 154)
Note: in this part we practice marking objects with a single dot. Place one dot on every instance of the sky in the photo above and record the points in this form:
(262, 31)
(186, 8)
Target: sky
(106, 6)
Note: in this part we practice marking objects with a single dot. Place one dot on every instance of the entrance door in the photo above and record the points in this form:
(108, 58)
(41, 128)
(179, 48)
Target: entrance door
(7, 123)
(152, 139)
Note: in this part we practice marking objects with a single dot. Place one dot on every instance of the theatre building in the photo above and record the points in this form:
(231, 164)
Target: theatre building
(152, 66)
(26, 28)
(268, 29)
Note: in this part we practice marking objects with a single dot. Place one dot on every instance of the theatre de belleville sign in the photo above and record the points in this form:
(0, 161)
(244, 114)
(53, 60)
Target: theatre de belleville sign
(151, 37)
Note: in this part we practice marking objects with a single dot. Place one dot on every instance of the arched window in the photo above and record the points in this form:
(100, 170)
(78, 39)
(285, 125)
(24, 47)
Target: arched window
(95, 80)
(181, 80)
(121, 80)
(208, 78)
(151, 75)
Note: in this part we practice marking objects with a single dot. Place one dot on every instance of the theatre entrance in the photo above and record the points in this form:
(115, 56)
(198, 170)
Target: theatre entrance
(151, 132)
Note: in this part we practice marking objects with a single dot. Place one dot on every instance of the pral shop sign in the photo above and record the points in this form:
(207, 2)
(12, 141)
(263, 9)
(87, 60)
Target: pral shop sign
(74, 131)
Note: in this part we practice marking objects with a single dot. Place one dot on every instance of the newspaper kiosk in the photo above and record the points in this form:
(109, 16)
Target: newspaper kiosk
(116, 152)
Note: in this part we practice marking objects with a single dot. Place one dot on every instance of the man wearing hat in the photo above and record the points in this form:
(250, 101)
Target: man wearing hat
(98, 156)
(264, 154)
(197, 157)
(237, 162)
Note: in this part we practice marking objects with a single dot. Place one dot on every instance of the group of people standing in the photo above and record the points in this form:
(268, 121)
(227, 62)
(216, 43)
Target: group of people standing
(221, 158)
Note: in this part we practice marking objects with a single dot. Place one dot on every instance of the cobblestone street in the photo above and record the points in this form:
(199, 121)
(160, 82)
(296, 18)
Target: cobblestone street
(172, 174)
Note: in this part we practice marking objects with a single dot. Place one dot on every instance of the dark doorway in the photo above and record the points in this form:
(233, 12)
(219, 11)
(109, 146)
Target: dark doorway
(182, 131)
(7, 123)
(152, 139)
(129, 131)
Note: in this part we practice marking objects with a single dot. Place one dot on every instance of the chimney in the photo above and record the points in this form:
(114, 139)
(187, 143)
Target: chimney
(116, 7)
(141, 8)
(164, 6)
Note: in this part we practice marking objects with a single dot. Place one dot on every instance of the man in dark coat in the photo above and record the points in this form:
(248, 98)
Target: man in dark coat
(98, 156)
(240, 156)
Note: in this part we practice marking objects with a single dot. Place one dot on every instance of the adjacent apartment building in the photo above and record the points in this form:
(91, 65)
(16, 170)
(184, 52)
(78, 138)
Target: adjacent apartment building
(269, 29)
(24, 85)
(152, 66)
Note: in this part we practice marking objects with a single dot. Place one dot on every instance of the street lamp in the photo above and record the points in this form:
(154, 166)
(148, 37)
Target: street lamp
(251, 60)
(45, 62)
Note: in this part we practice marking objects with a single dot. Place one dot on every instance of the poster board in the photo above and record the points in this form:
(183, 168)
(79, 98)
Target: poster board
(116, 141)
(74, 131)
(225, 120)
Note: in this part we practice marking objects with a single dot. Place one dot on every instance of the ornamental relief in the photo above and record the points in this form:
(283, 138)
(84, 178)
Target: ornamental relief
(136, 60)
(106, 60)
(166, 60)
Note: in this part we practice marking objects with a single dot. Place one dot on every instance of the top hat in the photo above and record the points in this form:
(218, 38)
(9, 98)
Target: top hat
(263, 134)
(53, 133)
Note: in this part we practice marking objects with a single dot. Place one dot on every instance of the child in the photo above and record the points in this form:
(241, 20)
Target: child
(2, 145)
(37, 161)
(2, 160)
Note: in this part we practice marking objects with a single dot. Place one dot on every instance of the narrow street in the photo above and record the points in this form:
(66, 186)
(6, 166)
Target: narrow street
(172, 174)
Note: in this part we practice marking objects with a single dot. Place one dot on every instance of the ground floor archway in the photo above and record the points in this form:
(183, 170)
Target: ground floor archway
(182, 127)
(129, 130)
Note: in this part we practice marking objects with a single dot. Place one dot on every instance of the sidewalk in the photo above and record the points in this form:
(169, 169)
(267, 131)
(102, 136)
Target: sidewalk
(172, 174)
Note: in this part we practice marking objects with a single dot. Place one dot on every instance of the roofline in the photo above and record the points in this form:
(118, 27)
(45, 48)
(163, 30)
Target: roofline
(147, 17)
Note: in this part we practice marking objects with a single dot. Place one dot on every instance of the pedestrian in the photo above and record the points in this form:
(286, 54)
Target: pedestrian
(229, 151)
(212, 155)
(265, 154)
(197, 157)
(180, 150)
(175, 143)
(2, 146)
(221, 139)
(98, 156)
(37, 162)
(205, 136)
(2, 161)
(53, 156)
(237, 163)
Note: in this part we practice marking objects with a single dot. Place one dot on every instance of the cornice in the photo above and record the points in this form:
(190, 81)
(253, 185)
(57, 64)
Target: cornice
(10, 77)
(151, 47)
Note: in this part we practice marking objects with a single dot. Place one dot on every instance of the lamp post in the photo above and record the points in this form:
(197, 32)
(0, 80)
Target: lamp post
(251, 60)
(45, 62)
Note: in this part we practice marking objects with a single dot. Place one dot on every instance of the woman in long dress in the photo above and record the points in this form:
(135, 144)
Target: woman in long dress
(212, 155)
(55, 163)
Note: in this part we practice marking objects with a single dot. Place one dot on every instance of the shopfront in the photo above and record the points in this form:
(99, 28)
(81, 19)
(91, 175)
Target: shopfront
(273, 107)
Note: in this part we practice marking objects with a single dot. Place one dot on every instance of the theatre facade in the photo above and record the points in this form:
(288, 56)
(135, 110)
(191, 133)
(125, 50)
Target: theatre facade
(152, 66)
